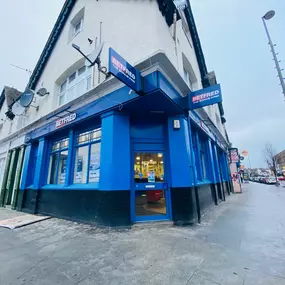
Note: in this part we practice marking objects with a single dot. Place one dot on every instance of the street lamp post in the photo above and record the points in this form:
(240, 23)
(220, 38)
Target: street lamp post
(269, 15)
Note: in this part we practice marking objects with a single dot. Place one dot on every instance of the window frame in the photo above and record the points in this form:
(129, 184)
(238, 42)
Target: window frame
(76, 146)
(203, 158)
(203, 169)
(64, 94)
(76, 32)
(50, 153)
(187, 78)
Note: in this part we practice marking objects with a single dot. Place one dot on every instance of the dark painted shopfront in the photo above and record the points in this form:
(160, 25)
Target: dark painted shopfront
(117, 161)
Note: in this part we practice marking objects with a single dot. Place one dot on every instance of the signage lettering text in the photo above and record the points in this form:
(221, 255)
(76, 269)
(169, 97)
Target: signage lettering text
(64, 121)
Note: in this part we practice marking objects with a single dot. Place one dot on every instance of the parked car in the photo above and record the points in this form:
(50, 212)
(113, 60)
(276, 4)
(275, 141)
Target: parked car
(271, 180)
(262, 179)
(281, 180)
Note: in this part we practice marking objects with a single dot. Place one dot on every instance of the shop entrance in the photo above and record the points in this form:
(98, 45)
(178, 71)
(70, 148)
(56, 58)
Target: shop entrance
(150, 195)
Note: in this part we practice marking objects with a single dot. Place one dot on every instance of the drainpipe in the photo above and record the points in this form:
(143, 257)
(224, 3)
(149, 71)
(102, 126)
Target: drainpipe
(5, 179)
(18, 178)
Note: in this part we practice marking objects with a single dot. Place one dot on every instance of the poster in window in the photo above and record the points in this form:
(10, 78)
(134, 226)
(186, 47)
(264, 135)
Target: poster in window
(94, 167)
(63, 170)
(79, 167)
(151, 176)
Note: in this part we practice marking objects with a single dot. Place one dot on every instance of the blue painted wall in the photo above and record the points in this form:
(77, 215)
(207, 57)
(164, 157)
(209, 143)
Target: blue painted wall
(115, 152)
(180, 153)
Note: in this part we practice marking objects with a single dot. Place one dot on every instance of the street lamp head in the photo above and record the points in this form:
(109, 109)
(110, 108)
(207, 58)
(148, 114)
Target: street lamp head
(269, 15)
(76, 47)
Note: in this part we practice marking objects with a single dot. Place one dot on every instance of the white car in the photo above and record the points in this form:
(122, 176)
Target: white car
(271, 180)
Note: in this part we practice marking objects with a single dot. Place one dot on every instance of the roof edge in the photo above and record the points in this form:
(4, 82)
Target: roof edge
(197, 45)
(50, 44)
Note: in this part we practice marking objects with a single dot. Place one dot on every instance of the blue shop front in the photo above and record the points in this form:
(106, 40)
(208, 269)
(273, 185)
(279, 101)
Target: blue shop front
(124, 159)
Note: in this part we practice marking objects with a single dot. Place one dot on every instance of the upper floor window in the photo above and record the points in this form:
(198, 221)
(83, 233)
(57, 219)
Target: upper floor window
(75, 85)
(185, 28)
(218, 120)
(188, 73)
(76, 24)
(78, 27)
(187, 78)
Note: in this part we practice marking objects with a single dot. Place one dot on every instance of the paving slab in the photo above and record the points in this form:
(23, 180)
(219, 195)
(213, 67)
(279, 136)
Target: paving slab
(21, 221)
(241, 241)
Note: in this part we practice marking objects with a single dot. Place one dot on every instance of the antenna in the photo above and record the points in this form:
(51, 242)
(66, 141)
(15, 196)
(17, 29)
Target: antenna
(100, 37)
(24, 69)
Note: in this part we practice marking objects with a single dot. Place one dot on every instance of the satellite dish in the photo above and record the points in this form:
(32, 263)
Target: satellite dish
(18, 109)
(94, 56)
(42, 92)
(27, 98)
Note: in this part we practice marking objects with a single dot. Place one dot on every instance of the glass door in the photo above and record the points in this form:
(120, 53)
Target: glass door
(150, 192)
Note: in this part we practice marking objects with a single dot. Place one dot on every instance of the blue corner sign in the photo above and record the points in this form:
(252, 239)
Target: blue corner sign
(125, 72)
(205, 97)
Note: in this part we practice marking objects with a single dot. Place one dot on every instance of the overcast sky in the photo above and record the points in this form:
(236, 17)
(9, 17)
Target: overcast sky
(234, 44)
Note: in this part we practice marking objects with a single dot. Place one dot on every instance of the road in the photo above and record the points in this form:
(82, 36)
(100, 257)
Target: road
(242, 241)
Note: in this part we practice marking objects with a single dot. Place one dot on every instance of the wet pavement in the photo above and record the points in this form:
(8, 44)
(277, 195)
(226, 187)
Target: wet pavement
(242, 241)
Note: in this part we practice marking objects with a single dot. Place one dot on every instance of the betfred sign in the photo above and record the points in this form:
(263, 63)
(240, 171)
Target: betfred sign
(125, 72)
(205, 97)
(64, 121)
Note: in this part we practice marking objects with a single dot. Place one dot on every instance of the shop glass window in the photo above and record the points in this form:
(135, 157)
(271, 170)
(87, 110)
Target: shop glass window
(87, 157)
(203, 159)
(148, 167)
(32, 166)
(58, 162)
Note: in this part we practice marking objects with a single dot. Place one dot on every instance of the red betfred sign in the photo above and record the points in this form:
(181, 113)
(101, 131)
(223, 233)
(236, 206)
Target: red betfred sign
(64, 121)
